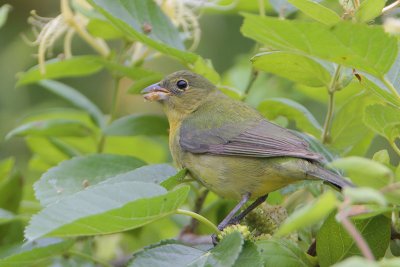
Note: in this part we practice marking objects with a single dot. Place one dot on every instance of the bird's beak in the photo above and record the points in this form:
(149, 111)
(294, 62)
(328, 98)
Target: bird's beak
(155, 92)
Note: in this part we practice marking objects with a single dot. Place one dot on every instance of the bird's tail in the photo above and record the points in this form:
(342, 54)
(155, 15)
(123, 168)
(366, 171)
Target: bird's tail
(330, 177)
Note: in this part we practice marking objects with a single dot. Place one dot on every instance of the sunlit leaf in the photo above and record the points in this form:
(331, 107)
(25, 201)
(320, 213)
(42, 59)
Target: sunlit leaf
(297, 68)
(144, 21)
(58, 68)
(106, 208)
(317, 11)
(75, 175)
(347, 129)
(369, 9)
(383, 119)
(338, 44)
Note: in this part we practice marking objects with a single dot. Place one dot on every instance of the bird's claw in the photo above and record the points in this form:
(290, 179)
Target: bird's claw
(214, 239)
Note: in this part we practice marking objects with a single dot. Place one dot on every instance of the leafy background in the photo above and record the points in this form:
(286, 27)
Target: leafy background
(85, 172)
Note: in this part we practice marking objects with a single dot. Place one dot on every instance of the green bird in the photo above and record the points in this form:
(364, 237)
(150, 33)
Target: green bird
(229, 147)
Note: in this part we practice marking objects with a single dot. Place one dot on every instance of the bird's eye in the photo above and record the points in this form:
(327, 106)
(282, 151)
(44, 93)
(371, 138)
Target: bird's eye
(182, 84)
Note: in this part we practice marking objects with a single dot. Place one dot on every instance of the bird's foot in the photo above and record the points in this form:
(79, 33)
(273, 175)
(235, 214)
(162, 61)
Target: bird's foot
(214, 239)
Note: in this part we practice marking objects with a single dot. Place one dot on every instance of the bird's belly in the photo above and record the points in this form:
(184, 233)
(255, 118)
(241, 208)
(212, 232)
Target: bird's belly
(232, 177)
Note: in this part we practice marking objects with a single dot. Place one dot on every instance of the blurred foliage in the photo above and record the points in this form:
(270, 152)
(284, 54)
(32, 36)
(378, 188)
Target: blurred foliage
(85, 174)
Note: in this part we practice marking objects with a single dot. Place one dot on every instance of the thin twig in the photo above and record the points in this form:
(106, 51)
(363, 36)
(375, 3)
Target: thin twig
(261, 7)
(390, 7)
(114, 102)
(253, 77)
(191, 228)
(331, 104)
(199, 218)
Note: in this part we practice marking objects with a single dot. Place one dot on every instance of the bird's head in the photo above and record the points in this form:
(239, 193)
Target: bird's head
(182, 91)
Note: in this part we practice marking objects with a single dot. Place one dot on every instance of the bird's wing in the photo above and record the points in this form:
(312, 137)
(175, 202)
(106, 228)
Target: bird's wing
(259, 138)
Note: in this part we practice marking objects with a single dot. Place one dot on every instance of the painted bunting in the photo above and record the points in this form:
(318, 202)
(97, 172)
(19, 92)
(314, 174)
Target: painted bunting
(229, 147)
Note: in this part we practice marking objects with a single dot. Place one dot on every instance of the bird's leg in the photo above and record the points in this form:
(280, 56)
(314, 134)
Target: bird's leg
(225, 222)
(253, 205)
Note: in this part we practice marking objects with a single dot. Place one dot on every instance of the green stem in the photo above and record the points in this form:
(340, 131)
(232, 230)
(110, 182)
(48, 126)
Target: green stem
(261, 7)
(89, 257)
(390, 86)
(199, 218)
(331, 104)
(253, 77)
(395, 147)
(114, 99)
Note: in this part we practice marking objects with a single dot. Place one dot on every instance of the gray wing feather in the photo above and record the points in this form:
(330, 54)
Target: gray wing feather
(260, 139)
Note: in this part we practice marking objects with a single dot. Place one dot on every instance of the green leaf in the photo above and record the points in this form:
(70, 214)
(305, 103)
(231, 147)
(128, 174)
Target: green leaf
(337, 44)
(157, 173)
(309, 214)
(369, 9)
(174, 180)
(34, 253)
(225, 253)
(375, 86)
(274, 107)
(347, 129)
(335, 244)
(317, 11)
(75, 98)
(75, 175)
(166, 255)
(76, 66)
(140, 84)
(294, 67)
(365, 172)
(4, 9)
(133, 17)
(103, 29)
(231, 251)
(52, 127)
(283, 253)
(131, 125)
(365, 195)
(139, 15)
(384, 120)
(106, 208)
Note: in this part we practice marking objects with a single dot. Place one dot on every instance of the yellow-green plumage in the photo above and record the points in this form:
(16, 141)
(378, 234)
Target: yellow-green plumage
(228, 146)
